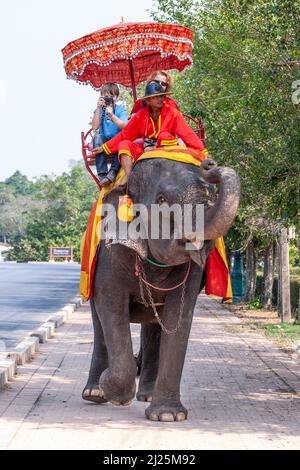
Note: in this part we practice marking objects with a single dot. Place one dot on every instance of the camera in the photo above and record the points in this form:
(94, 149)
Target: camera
(149, 143)
(109, 101)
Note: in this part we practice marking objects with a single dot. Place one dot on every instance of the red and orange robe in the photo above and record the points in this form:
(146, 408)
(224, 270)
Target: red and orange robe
(169, 125)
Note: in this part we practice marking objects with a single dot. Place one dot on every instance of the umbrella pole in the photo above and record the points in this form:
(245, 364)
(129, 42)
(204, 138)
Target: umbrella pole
(132, 79)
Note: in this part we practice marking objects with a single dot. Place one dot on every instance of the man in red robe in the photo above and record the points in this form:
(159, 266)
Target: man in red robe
(157, 125)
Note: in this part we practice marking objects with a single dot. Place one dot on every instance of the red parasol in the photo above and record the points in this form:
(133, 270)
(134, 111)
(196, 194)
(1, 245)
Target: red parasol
(127, 53)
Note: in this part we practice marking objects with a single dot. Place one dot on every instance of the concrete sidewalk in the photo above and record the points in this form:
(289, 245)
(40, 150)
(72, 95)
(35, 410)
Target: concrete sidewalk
(241, 393)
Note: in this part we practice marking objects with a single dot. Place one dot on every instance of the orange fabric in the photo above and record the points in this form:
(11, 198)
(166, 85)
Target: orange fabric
(142, 125)
(176, 150)
(88, 240)
(135, 151)
(127, 147)
(165, 138)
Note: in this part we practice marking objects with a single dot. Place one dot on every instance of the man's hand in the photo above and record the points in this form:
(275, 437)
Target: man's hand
(91, 160)
(97, 150)
(149, 148)
(100, 103)
(109, 111)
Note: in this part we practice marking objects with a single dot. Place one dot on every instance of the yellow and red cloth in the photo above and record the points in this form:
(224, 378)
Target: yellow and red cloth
(217, 275)
(90, 242)
(218, 282)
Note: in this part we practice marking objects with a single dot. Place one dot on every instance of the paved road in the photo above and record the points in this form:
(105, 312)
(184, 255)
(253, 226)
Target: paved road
(241, 393)
(29, 293)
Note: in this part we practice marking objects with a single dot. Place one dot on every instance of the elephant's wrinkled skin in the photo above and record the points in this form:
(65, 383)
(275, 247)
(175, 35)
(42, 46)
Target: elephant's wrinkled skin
(117, 300)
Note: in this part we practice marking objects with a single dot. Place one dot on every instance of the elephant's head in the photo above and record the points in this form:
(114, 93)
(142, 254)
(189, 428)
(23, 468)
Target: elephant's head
(162, 181)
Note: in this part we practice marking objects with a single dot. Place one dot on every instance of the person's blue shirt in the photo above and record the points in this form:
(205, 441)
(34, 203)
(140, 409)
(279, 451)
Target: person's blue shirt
(108, 129)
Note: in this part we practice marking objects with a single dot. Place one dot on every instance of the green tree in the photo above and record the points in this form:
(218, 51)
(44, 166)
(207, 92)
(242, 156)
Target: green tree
(58, 214)
(19, 184)
(246, 57)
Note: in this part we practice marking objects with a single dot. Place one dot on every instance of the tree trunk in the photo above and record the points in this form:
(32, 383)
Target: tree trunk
(298, 310)
(250, 272)
(268, 277)
(278, 259)
(284, 284)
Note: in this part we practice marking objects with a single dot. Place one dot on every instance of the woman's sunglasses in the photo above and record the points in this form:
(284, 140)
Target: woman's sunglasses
(161, 83)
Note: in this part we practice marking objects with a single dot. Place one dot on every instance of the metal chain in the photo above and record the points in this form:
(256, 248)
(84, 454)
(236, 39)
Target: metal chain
(152, 304)
(142, 290)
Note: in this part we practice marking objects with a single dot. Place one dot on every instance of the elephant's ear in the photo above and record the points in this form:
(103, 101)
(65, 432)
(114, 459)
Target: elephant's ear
(139, 245)
(112, 196)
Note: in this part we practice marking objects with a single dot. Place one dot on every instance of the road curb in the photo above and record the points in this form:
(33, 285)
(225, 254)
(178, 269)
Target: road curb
(25, 350)
(29, 346)
(9, 366)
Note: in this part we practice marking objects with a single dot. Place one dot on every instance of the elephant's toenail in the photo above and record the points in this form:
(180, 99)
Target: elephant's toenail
(180, 417)
(153, 417)
(114, 402)
(168, 417)
(127, 403)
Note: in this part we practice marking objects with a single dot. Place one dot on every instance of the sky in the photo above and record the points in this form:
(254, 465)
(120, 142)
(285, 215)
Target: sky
(41, 112)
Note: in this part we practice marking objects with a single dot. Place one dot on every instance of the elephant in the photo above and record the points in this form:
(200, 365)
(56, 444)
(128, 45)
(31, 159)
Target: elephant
(121, 295)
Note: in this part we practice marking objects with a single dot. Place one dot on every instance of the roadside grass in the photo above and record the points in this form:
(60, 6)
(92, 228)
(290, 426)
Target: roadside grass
(283, 332)
(255, 319)
(284, 335)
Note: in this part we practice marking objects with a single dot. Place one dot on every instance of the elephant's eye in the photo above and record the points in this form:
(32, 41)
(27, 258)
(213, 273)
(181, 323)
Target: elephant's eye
(161, 200)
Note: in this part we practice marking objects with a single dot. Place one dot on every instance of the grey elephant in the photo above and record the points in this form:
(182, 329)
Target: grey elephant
(123, 292)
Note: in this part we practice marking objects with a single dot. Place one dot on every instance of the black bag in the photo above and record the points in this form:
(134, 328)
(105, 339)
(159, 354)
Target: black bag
(149, 142)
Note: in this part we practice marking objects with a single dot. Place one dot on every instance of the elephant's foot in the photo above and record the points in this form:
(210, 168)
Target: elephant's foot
(145, 391)
(166, 412)
(116, 389)
(144, 396)
(92, 392)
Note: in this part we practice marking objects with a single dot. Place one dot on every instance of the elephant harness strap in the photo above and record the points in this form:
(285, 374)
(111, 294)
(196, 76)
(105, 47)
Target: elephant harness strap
(140, 273)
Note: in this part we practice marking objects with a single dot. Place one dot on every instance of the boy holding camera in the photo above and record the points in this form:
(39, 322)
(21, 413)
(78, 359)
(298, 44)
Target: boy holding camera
(109, 119)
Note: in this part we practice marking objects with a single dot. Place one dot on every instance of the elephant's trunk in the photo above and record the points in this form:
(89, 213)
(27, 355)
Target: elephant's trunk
(219, 218)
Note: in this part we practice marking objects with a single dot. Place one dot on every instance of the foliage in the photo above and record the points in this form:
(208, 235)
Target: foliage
(245, 61)
(294, 254)
(15, 203)
(294, 291)
(19, 184)
(255, 304)
(55, 213)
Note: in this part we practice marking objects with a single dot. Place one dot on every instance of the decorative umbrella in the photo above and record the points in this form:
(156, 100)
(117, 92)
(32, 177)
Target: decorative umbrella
(128, 53)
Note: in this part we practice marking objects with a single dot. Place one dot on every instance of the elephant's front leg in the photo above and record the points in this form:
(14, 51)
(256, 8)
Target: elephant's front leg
(166, 404)
(150, 341)
(99, 362)
(117, 382)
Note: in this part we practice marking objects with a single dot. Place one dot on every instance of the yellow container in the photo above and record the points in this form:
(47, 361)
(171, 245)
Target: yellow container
(125, 209)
